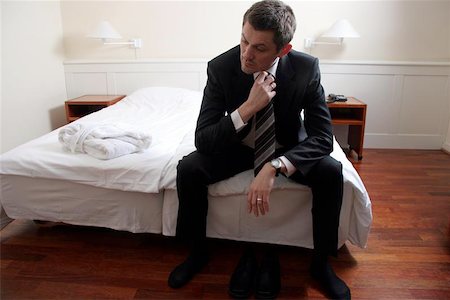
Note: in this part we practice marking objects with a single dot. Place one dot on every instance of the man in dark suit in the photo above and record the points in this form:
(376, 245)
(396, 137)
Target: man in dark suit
(261, 73)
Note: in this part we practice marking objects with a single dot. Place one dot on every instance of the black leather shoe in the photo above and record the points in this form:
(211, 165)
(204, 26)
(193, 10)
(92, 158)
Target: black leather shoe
(243, 277)
(184, 272)
(333, 285)
(268, 279)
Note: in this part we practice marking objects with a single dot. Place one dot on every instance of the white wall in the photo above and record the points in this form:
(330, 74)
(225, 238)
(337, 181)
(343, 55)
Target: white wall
(33, 35)
(1, 73)
(33, 88)
(390, 30)
(411, 31)
(446, 145)
(4, 219)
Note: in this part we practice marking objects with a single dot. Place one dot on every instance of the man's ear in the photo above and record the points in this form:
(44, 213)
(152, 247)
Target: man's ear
(285, 50)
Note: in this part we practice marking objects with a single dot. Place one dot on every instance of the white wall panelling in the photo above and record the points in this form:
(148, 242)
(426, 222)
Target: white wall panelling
(408, 103)
(117, 77)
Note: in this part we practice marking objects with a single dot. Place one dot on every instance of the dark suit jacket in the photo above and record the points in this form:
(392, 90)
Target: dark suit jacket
(298, 88)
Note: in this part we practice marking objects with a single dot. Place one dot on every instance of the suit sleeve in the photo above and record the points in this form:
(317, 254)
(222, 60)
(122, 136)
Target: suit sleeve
(215, 130)
(317, 122)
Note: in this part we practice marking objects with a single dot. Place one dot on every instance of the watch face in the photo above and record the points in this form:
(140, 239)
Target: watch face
(276, 163)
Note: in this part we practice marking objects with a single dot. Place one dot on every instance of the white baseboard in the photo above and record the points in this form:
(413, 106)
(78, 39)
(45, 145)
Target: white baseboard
(446, 147)
(403, 141)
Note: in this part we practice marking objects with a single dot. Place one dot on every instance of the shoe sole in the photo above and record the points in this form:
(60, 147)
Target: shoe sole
(266, 296)
(239, 296)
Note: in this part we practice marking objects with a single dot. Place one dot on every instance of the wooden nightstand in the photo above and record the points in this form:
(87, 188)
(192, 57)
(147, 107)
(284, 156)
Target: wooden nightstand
(84, 105)
(352, 113)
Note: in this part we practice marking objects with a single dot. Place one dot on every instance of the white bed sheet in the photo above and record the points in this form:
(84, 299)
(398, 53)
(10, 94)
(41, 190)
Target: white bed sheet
(168, 114)
(79, 204)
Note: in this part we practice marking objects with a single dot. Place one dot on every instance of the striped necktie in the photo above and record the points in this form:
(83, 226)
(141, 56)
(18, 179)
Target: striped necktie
(264, 136)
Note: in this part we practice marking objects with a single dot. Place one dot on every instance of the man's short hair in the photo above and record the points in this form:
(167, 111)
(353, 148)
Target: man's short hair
(273, 15)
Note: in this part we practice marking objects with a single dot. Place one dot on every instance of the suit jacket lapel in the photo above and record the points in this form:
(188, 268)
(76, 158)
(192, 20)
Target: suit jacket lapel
(241, 85)
(285, 88)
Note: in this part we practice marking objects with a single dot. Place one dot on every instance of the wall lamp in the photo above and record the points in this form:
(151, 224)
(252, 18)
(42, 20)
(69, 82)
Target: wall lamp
(339, 30)
(105, 31)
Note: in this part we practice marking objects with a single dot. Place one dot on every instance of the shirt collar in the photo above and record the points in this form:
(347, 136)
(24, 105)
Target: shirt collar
(272, 70)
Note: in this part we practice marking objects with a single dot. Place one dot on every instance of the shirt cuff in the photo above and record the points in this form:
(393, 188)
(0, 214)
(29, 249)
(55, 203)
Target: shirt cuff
(237, 120)
(290, 169)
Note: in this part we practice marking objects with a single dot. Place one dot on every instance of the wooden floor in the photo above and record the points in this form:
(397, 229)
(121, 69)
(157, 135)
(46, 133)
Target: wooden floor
(408, 256)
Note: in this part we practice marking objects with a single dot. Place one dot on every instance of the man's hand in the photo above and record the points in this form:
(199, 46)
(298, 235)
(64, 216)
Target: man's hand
(259, 193)
(260, 95)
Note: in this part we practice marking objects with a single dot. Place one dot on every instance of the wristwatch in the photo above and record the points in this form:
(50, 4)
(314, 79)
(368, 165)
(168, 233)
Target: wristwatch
(276, 164)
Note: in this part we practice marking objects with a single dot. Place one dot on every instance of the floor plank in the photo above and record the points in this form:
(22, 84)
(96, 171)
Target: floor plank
(408, 255)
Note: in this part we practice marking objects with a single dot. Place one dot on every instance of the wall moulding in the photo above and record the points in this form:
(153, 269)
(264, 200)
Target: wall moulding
(408, 102)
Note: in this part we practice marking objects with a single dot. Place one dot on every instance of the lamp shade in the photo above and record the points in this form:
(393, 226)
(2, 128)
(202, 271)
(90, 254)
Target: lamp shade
(341, 29)
(104, 30)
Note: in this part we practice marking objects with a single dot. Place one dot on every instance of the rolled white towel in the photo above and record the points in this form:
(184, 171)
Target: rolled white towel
(103, 141)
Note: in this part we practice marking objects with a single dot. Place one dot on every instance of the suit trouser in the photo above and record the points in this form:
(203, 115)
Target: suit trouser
(196, 171)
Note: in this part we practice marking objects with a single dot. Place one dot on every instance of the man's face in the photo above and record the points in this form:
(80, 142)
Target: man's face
(258, 50)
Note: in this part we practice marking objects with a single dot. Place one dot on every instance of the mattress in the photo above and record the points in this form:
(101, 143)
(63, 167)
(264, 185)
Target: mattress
(167, 114)
(289, 221)
(79, 204)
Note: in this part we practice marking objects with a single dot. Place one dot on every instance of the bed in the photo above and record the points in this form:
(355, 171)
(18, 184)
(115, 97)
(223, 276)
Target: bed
(137, 192)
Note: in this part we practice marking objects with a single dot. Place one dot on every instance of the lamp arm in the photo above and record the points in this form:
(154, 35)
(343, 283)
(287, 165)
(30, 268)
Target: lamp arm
(118, 43)
(327, 43)
(135, 43)
(309, 42)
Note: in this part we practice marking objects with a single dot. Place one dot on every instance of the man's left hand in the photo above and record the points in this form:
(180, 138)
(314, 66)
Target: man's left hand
(259, 193)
